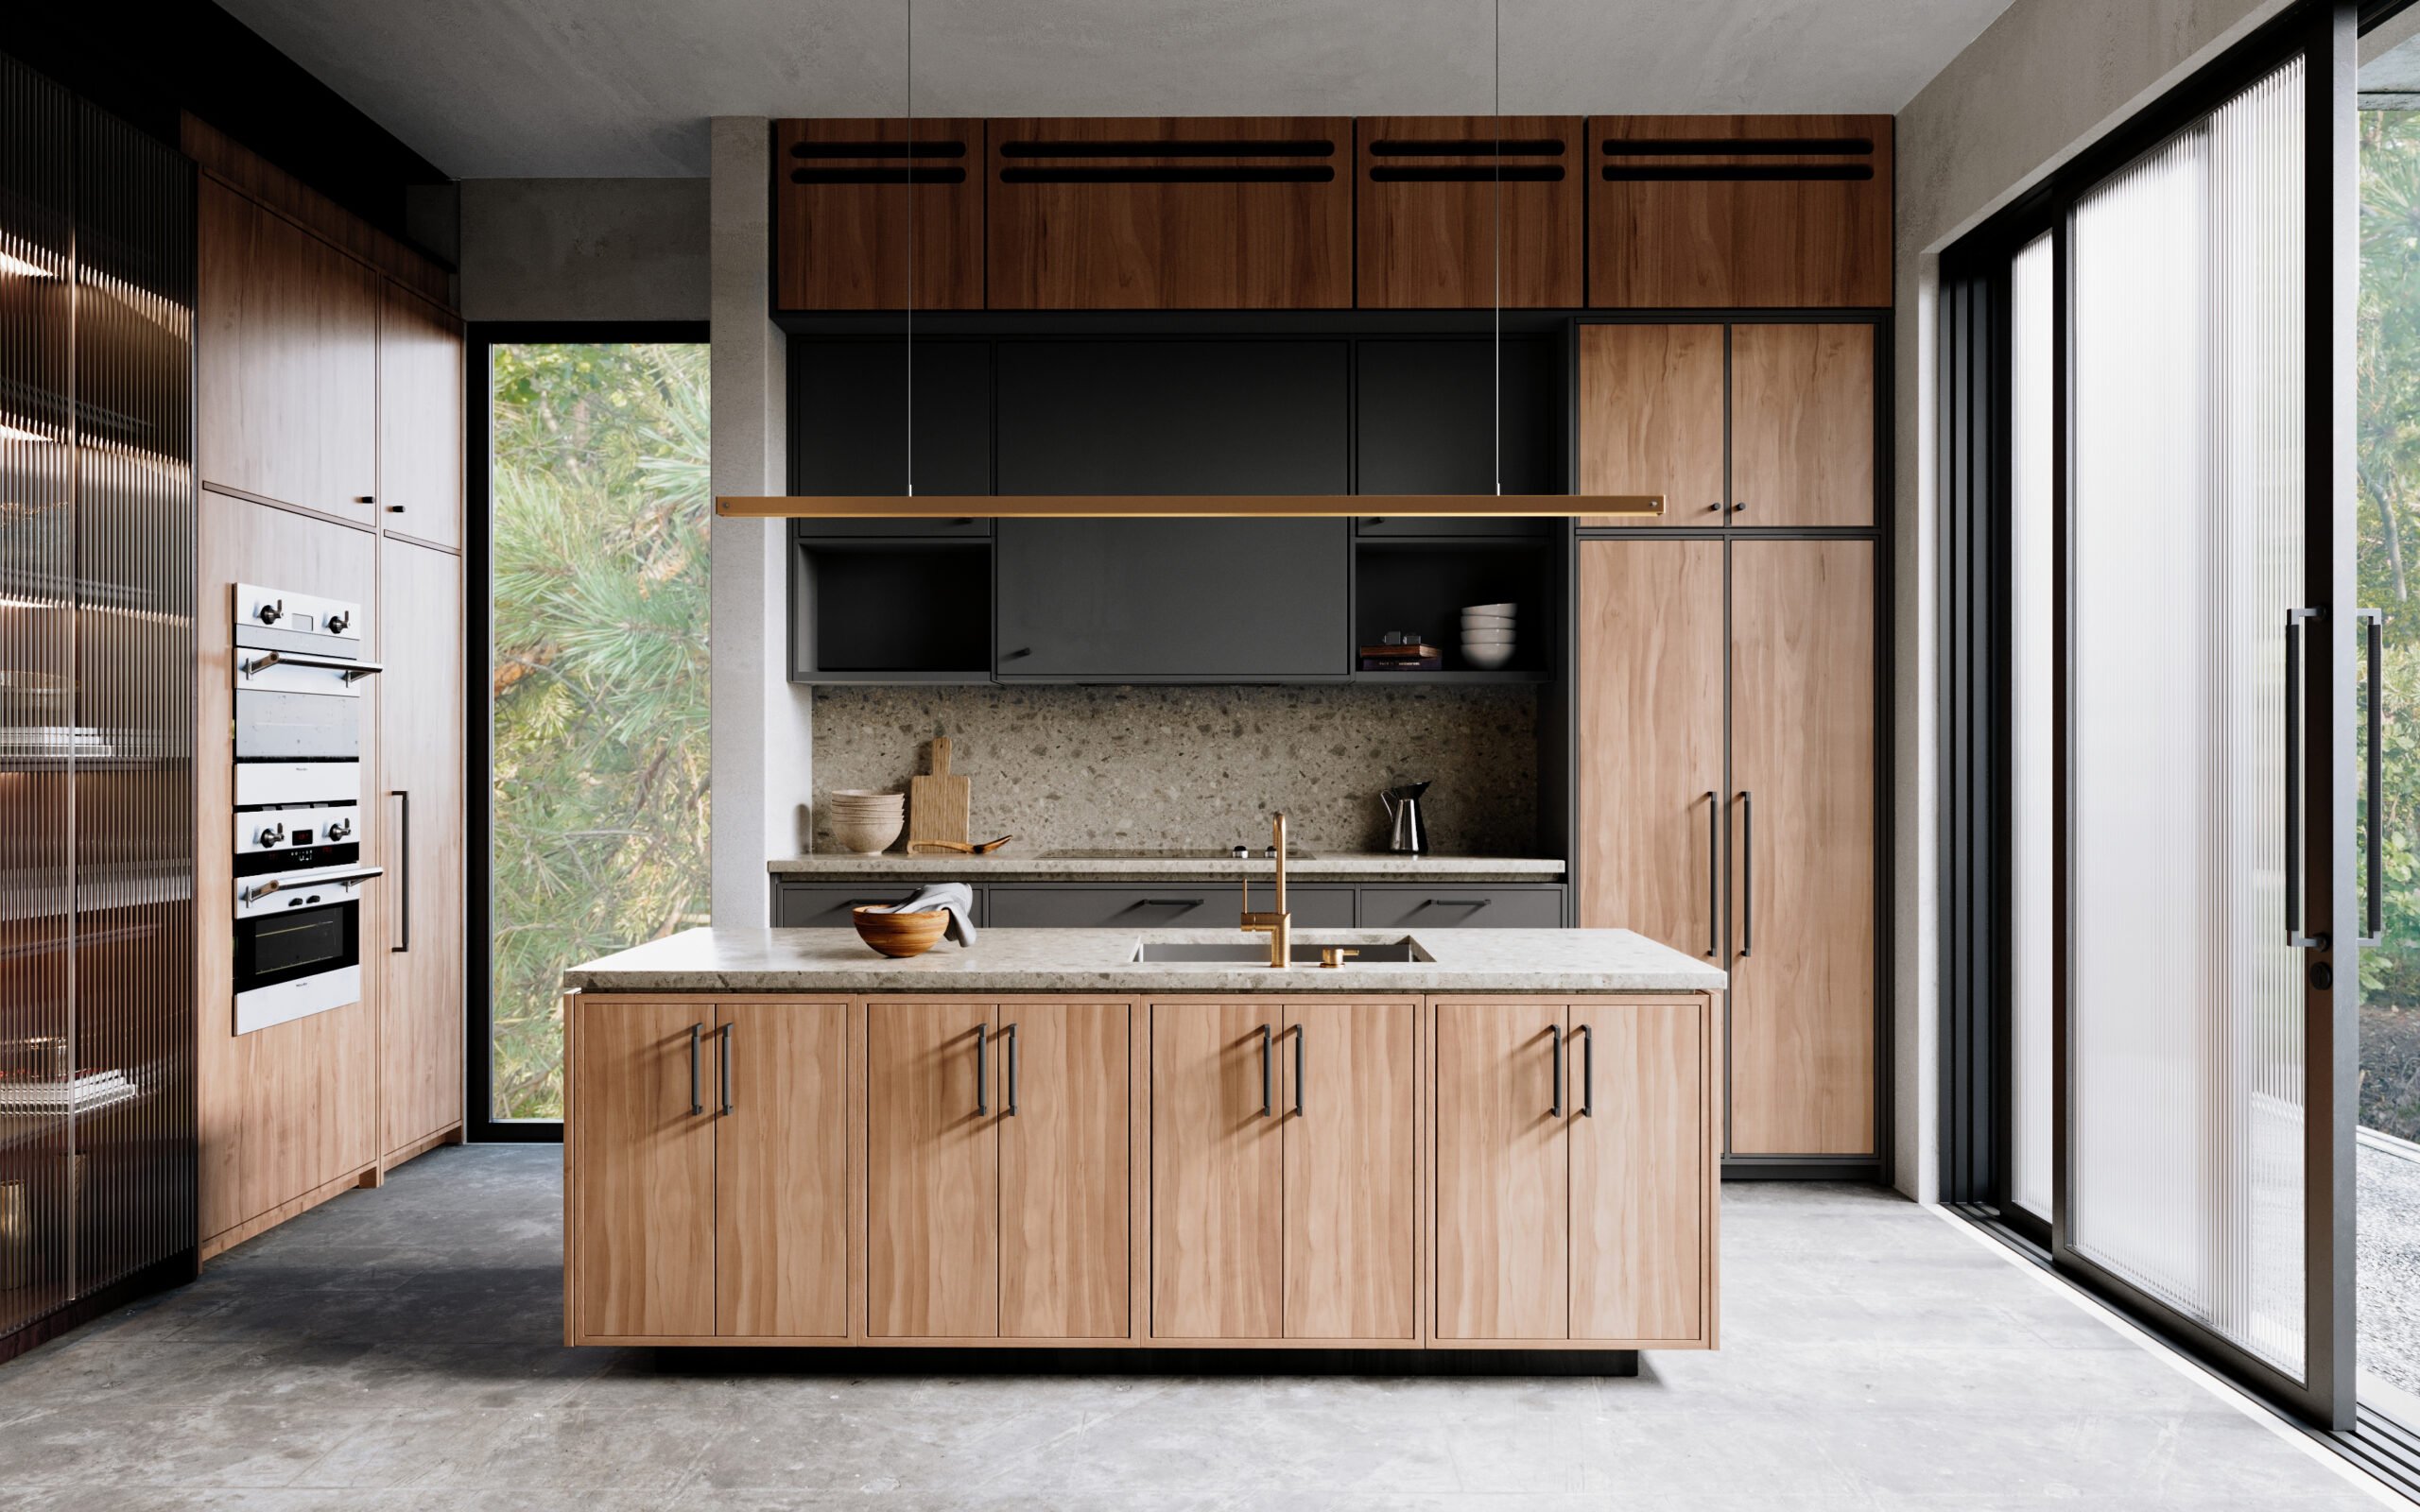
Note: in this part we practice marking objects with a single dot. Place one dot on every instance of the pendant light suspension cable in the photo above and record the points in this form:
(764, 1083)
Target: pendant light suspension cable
(1497, 270)
(910, 171)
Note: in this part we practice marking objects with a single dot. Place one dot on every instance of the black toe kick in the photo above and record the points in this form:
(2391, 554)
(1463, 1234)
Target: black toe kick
(741, 1364)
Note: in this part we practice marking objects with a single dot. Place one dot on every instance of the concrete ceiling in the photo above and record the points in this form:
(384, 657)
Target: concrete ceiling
(622, 88)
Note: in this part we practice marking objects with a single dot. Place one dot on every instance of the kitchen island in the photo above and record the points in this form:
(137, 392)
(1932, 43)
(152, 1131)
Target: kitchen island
(1499, 1140)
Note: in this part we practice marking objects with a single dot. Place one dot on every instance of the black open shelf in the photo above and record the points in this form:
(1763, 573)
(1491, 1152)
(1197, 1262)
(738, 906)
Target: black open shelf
(1423, 585)
(866, 611)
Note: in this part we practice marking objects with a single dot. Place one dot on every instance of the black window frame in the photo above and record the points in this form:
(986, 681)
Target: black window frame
(480, 1124)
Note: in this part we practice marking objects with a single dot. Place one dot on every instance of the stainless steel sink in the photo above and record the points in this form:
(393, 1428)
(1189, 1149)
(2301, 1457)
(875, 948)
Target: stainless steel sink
(1306, 952)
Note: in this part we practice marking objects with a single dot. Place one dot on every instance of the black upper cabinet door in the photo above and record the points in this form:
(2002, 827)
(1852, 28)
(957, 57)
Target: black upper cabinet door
(1423, 407)
(849, 427)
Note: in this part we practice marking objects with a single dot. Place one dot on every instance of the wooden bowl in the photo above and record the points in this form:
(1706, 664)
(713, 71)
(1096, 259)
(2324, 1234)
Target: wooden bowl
(901, 934)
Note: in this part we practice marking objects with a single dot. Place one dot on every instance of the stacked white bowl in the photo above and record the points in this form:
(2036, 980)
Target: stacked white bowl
(1487, 635)
(863, 822)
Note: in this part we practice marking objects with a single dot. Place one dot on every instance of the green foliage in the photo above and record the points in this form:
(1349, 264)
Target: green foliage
(600, 690)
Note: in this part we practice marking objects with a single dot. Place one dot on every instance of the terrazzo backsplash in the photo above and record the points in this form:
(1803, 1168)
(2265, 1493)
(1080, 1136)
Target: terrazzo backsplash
(1095, 768)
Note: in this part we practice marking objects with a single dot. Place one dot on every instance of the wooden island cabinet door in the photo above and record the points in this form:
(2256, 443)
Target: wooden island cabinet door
(780, 1089)
(932, 1171)
(1642, 1163)
(1801, 425)
(643, 1168)
(1650, 420)
(1503, 1173)
(1217, 1172)
(1349, 1073)
(1065, 1264)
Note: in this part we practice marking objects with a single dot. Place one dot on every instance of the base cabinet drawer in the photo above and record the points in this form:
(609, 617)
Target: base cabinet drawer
(1453, 907)
(821, 905)
(1161, 907)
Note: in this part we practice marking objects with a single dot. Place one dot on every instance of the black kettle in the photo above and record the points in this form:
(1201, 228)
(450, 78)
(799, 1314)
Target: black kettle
(1411, 835)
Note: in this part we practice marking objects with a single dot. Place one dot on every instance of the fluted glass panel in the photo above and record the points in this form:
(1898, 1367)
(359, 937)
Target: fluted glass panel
(2032, 947)
(2187, 433)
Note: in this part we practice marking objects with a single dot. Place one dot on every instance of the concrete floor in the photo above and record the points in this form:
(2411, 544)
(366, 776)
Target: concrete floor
(398, 1349)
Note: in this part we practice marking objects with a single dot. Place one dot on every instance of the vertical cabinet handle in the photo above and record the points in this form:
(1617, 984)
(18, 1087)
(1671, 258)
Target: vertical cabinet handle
(1713, 874)
(2295, 645)
(1554, 1108)
(697, 1103)
(1299, 1037)
(1586, 1035)
(2373, 920)
(982, 1072)
(725, 1067)
(404, 883)
(1008, 1032)
(1747, 871)
(1265, 1039)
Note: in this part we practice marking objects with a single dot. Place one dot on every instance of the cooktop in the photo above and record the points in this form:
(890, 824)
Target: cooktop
(1173, 854)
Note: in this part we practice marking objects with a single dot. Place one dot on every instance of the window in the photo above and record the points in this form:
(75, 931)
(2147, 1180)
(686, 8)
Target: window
(597, 611)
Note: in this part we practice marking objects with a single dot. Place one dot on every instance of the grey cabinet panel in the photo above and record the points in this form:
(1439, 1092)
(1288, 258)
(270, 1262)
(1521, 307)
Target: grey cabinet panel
(1447, 905)
(1136, 600)
(849, 427)
(826, 906)
(1422, 406)
(1171, 906)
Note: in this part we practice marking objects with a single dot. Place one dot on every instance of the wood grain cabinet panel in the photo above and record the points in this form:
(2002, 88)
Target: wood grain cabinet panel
(1349, 1069)
(420, 697)
(1802, 867)
(1064, 1259)
(932, 1172)
(1802, 424)
(844, 192)
(782, 1155)
(1169, 214)
(1651, 419)
(1430, 201)
(644, 1163)
(1503, 1173)
(286, 348)
(1217, 1172)
(1652, 643)
(420, 418)
(1642, 1203)
(1743, 211)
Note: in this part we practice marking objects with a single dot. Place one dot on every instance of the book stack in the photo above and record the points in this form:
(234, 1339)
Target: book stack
(1401, 651)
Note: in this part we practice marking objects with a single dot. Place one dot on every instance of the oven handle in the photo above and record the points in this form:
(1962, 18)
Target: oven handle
(354, 671)
(318, 878)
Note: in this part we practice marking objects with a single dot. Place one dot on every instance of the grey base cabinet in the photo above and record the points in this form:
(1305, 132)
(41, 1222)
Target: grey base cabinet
(1194, 904)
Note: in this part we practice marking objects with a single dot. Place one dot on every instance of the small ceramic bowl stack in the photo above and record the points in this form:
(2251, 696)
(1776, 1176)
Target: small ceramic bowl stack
(1487, 635)
(863, 822)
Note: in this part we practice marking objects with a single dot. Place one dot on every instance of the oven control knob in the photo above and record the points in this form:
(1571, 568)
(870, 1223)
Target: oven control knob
(338, 828)
(271, 614)
(337, 621)
(274, 834)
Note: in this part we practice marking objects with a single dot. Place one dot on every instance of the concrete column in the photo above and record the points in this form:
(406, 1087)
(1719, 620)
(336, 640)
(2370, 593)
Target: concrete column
(761, 722)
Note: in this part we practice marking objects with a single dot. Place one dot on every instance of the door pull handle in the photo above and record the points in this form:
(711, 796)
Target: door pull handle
(1299, 1037)
(1586, 1035)
(1554, 1108)
(1267, 1046)
(1008, 1032)
(982, 1072)
(697, 1100)
(725, 1069)
(1713, 874)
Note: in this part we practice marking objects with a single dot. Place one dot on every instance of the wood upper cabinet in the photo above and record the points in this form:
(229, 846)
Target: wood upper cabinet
(1169, 214)
(420, 418)
(1802, 831)
(1066, 1261)
(420, 697)
(643, 1170)
(1351, 1192)
(286, 348)
(1651, 419)
(785, 1145)
(1427, 196)
(1649, 686)
(1217, 1172)
(1743, 211)
(932, 1171)
(844, 192)
(1802, 424)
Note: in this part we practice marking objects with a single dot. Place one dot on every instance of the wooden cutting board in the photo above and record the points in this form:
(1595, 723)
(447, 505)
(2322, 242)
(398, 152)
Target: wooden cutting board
(938, 805)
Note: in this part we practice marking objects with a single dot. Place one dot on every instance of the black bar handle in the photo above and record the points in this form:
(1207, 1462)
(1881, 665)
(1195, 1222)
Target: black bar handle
(1747, 871)
(1299, 1037)
(2373, 920)
(1167, 903)
(1266, 1036)
(697, 1101)
(1554, 1108)
(1458, 902)
(1008, 1032)
(1713, 874)
(404, 887)
(725, 1036)
(1586, 1035)
(982, 1072)
(2296, 642)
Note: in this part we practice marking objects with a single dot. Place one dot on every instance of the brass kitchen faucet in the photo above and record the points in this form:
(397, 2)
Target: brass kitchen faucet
(1277, 923)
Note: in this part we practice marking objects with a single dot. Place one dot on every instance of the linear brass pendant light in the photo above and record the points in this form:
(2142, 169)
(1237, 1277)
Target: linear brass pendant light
(911, 505)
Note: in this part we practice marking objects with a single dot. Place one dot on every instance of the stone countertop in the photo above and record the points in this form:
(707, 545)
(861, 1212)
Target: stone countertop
(1041, 866)
(1101, 960)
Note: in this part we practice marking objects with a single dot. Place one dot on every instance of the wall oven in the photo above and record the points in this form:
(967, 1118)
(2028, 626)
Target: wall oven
(298, 869)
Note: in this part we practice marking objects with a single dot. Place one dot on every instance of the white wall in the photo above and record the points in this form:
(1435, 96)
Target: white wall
(583, 248)
(2044, 80)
